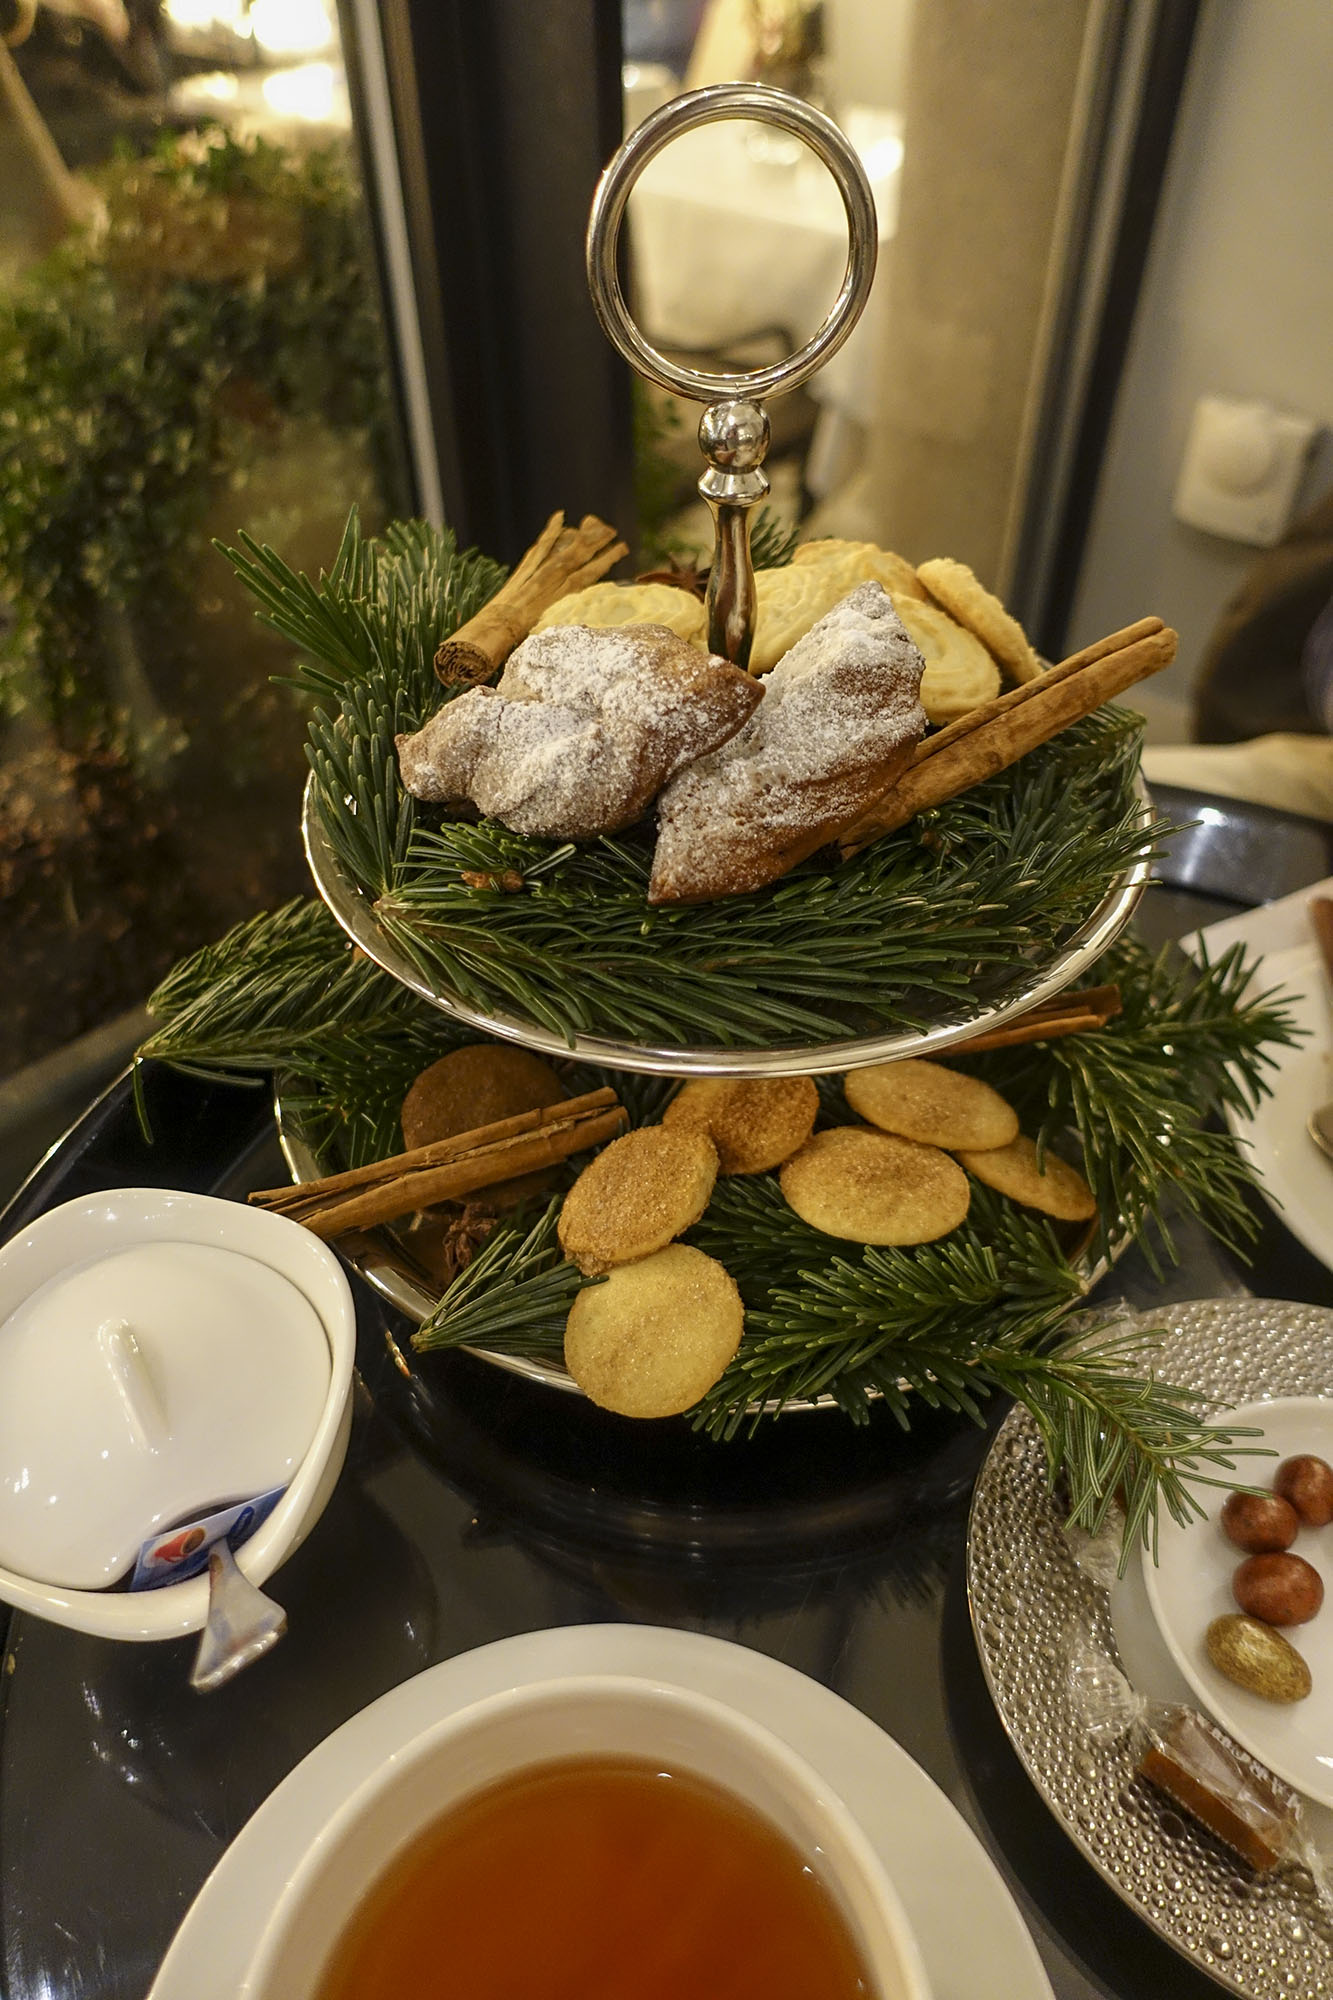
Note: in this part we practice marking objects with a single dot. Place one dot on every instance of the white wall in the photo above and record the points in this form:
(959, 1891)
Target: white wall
(1238, 299)
(867, 51)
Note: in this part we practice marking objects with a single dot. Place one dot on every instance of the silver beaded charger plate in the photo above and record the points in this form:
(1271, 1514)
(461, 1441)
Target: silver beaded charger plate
(1269, 1937)
(1036, 982)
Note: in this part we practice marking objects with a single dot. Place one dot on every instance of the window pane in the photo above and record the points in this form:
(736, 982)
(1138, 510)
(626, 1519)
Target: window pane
(190, 343)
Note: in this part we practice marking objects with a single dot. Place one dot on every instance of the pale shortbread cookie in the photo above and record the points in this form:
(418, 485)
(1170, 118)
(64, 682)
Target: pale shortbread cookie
(755, 1123)
(1060, 1191)
(630, 604)
(639, 1193)
(973, 605)
(581, 731)
(789, 601)
(872, 1187)
(656, 1336)
(838, 721)
(875, 565)
(960, 674)
(934, 1105)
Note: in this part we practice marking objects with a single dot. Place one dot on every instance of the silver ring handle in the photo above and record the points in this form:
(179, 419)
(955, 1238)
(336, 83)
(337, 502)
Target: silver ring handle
(705, 107)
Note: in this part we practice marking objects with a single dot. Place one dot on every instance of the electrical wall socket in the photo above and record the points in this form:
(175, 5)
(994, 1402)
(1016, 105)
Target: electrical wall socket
(1242, 465)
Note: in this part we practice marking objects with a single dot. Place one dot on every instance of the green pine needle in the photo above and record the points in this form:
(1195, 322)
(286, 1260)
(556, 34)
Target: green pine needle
(513, 1298)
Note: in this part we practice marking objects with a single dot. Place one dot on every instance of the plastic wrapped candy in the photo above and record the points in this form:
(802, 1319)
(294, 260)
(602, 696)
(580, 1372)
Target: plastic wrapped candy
(1197, 1765)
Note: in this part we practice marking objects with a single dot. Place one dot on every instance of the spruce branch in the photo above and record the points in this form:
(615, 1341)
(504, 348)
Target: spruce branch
(513, 1298)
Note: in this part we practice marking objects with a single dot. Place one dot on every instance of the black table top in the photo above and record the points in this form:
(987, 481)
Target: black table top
(474, 1506)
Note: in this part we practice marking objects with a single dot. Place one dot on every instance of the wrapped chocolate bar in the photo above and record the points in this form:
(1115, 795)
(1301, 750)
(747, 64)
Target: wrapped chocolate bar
(1197, 1766)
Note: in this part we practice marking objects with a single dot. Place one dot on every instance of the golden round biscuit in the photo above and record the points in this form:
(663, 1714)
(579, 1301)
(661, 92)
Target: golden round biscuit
(960, 674)
(476, 1085)
(639, 1192)
(603, 604)
(872, 564)
(931, 1104)
(957, 589)
(1059, 1191)
(755, 1123)
(872, 1187)
(657, 1335)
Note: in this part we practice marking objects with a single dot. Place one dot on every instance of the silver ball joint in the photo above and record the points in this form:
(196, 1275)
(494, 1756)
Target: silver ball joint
(734, 436)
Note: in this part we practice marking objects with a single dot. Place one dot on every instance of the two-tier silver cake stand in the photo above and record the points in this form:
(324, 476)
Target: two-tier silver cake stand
(734, 436)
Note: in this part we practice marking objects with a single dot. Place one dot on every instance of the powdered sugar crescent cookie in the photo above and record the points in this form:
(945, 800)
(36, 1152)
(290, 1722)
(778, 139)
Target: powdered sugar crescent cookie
(960, 674)
(839, 719)
(581, 731)
(1060, 1191)
(639, 1193)
(873, 565)
(656, 1336)
(755, 1122)
(872, 1187)
(976, 607)
(931, 1104)
(630, 604)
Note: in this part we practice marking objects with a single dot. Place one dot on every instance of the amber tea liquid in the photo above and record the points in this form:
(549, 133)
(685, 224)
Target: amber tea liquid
(601, 1879)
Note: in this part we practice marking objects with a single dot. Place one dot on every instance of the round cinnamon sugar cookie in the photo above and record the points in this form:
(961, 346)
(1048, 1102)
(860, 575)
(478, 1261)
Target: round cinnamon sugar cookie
(755, 1123)
(960, 674)
(1059, 1191)
(931, 1104)
(477, 1085)
(603, 604)
(958, 590)
(873, 1187)
(657, 1335)
(636, 1195)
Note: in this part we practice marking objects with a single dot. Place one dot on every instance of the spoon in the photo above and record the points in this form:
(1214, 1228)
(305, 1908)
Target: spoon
(241, 1626)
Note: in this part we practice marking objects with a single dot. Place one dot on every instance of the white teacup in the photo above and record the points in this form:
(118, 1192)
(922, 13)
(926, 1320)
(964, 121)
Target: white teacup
(584, 1716)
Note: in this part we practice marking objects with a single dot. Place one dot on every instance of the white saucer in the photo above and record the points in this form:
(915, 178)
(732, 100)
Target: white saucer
(970, 1933)
(1294, 1177)
(1191, 1585)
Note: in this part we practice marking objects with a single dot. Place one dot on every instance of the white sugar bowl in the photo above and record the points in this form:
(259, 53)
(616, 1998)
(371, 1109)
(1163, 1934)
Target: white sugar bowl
(161, 1354)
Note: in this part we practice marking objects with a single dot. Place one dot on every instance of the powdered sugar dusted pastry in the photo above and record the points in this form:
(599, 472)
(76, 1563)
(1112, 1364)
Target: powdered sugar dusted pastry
(840, 716)
(582, 730)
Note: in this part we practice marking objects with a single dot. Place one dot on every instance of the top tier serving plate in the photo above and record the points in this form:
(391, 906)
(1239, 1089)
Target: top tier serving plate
(733, 434)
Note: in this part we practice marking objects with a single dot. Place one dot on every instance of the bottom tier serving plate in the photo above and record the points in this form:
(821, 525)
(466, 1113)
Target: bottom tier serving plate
(387, 1270)
(1261, 1937)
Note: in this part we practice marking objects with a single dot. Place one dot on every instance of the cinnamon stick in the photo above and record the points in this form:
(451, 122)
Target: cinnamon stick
(560, 560)
(421, 1188)
(1064, 1014)
(986, 711)
(1048, 707)
(437, 1153)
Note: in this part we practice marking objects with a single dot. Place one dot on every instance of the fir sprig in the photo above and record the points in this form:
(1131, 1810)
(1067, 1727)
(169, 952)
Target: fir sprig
(513, 1298)
(1190, 1039)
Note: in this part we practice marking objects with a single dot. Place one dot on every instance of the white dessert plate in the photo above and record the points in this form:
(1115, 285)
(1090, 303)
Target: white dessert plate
(1191, 1585)
(969, 1931)
(1295, 1178)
